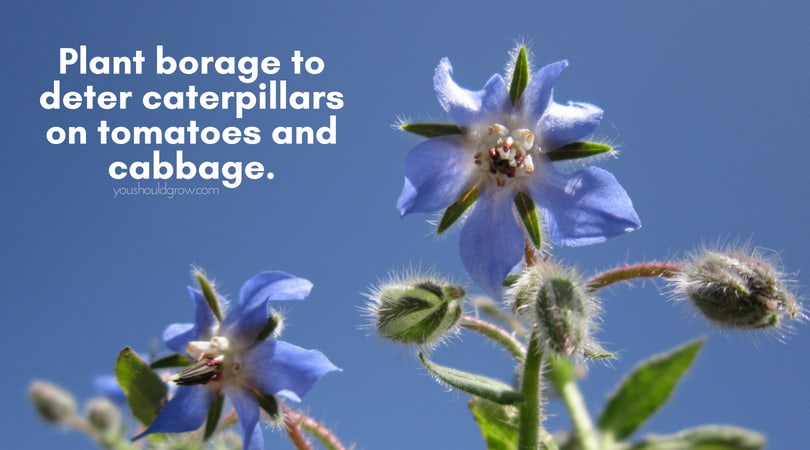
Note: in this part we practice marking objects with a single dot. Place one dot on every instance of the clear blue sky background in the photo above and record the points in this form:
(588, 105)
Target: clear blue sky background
(708, 103)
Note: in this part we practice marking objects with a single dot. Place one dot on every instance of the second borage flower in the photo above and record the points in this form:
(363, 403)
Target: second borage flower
(498, 158)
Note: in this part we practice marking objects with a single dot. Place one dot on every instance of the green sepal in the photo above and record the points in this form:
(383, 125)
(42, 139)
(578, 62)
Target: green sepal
(576, 150)
(527, 211)
(498, 423)
(454, 211)
(510, 280)
(431, 130)
(488, 388)
(268, 403)
(646, 389)
(214, 412)
(520, 76)
(272, 324)
(145, 391)
(176, 360)
(708, 437)
(210, 295)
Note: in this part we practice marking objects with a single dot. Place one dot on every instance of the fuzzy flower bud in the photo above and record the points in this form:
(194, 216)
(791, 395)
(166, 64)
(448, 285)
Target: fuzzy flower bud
(555, 301)
(415, 310)
(54, 404)
(104, 417)
(735, 289)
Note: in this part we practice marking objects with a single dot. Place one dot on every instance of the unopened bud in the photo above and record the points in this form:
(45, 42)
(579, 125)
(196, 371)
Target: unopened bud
(737, 290)
(555, 300)
(420, 310)
(104, 417)
(53, 403)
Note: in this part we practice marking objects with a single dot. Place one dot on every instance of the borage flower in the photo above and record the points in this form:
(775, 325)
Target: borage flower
(499, 155)
(238, 356)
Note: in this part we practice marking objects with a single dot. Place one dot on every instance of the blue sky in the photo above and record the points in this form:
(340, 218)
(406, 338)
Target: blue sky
(707, 103)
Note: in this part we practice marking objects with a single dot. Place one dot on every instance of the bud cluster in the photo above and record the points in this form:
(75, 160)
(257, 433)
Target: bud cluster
(418, 309)
(54, 404)
(736, 289)
(554, 299)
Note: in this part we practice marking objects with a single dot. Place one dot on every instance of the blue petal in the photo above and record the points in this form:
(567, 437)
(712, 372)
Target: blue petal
(563, 124)
(177, 335)
(281, 368)
(491, 241)
(107, 385)
(257, 439)
(585, 207)
(247, 318)
(437, 172)
(467, 107)
(247, 409)
(186, 411)
(536, 97)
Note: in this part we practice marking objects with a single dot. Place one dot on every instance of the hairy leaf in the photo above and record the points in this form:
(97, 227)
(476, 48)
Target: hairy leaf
(491, 389)
(498, 423)
(646, 389)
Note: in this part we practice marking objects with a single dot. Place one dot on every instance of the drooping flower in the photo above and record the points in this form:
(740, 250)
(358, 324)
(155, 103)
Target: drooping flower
(238, 357)
(554, 300)
(499, 159)
(415, 308)
(738, 288)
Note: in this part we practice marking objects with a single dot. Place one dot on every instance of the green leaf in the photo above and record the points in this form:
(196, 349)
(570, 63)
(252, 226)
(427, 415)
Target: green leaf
(498, 423)
(484, 387)
(210, 295)
(430, 130)
(213, 417)
(709, 437)
(577, 150)
(454, 211)
(520, 76)
(646, 389)
(145, 391)
(528, 214)
(176, 360)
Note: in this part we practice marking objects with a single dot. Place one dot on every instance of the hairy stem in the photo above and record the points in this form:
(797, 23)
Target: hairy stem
(486, 306)
(294, 431)
(495, 333)
(561, 374)
(316, 429)
(530, 417)
(647, 270)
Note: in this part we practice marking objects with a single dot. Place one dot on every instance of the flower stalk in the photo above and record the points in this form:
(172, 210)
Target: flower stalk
(294, 432)
(642, 270)
(529, 424)
(562, 376)
(495, 333)
(316, 429)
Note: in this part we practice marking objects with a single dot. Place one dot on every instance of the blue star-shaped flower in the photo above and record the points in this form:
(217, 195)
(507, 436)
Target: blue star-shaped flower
(503, 152)
(241, 364)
